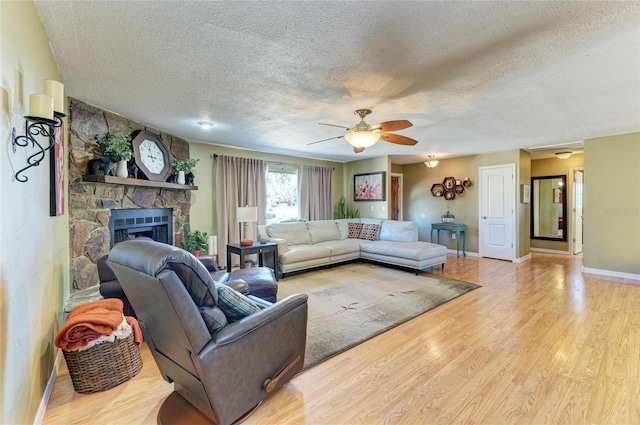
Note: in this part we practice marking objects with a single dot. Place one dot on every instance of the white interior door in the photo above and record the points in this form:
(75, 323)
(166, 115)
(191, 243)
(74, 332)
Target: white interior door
(497, 206)
(578, 183)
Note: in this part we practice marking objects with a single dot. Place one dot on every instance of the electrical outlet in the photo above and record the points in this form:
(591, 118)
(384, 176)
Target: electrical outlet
(453, 236)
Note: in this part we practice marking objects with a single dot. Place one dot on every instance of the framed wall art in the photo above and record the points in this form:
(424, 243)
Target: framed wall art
(369, 187)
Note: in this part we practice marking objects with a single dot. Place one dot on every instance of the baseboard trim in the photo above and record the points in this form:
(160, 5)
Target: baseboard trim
(469, 254)
(611, 273)
(522, 259)
(44, 401)
(549, 251)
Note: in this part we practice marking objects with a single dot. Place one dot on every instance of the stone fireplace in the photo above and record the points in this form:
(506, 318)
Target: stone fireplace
(91, 204)
(154, 223)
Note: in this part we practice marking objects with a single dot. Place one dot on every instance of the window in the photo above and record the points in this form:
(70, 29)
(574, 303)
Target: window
(282, 193)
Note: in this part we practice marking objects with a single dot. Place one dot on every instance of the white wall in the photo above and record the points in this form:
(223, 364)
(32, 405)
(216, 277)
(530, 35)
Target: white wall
(34, 247)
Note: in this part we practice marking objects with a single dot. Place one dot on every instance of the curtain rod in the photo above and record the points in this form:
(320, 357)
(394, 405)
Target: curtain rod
(215, 155)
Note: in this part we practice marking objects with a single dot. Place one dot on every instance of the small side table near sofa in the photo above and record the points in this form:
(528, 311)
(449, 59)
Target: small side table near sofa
(452, 227)
(256, 248)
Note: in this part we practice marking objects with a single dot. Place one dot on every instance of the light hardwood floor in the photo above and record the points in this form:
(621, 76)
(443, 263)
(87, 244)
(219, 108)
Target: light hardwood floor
(539, 343)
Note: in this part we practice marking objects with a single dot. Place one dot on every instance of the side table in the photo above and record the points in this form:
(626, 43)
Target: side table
(452, 227)
(256, 248)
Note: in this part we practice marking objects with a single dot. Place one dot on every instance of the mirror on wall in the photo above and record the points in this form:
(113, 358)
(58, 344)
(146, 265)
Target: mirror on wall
(549, 208)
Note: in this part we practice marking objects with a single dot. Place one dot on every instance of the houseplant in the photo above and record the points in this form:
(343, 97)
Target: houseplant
(342, 210)
(447, 217)
(118, 147)
(183, 166)
(194, 242)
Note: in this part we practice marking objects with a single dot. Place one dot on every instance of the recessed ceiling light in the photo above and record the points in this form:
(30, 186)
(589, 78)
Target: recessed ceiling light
(206, 125)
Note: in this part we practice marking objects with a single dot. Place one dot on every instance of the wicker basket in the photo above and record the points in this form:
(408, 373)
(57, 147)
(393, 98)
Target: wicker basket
(103, 366)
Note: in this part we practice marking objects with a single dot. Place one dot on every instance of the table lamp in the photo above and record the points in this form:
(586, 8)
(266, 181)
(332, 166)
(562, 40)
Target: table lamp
(246, 215)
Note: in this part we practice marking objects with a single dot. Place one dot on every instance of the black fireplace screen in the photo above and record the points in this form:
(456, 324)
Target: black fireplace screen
(154, 223)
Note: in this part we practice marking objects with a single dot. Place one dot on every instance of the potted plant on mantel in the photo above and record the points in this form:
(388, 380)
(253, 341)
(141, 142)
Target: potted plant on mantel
(183, 166)
(118, 146)
(194, 242)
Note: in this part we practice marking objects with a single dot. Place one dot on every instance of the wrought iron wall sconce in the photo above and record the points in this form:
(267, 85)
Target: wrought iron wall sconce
(44, 117)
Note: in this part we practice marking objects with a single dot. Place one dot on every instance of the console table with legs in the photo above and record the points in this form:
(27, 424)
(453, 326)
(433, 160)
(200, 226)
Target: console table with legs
(452, 227)
(257, 248)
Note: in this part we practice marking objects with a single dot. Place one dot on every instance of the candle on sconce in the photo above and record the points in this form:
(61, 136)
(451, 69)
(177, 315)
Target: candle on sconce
(41, 105)
(55, 89)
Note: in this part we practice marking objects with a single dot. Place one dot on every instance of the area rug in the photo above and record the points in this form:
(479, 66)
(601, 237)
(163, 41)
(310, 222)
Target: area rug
(352, 303)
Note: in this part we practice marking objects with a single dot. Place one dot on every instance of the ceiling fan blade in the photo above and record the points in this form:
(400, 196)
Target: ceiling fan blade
(398, 139)
(324, 140)
(333, 125)
(358, 150)
(392, 125)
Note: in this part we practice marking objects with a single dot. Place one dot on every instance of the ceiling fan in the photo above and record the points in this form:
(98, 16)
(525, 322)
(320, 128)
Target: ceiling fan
(363, 135)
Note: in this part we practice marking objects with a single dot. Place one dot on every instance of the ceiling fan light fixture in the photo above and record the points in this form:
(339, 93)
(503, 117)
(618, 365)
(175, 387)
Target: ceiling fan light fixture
(563, 155)
(431, 161)
(362, 139)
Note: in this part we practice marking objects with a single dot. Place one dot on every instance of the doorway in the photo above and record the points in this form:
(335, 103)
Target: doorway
(497, 205)
(395, 206)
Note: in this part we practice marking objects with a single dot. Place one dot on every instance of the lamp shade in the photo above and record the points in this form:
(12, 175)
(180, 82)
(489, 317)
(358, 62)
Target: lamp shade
(362, 139)
(247, 214)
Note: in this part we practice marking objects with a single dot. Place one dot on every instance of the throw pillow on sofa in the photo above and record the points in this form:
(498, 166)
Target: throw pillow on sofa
(354, 230)
(233, 304)
(369, 232)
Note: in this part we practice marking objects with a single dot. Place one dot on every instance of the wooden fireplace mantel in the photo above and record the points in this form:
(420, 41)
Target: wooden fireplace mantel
(135, 182)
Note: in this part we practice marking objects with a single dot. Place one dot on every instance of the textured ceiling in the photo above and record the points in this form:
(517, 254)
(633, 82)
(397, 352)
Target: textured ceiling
(473, 77)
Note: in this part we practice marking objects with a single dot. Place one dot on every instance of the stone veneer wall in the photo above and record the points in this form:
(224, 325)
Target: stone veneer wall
(90, 204)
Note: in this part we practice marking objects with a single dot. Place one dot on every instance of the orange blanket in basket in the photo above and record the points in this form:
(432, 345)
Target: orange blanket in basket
(88, 322)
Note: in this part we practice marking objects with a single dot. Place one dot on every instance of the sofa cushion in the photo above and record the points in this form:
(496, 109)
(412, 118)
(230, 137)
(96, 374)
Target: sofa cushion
(325, 230)
(354, 230)
(343, 226)
(410, 250)
(377, 221)
(399, 231)
(294, 233)
(342, 247)
(369, 232)
(234, 305)
(300, 253)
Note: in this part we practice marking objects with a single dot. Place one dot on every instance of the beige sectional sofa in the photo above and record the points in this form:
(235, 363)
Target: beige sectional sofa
(304, 245)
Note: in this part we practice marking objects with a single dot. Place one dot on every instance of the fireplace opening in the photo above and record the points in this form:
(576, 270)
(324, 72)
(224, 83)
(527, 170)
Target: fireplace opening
(154, 223)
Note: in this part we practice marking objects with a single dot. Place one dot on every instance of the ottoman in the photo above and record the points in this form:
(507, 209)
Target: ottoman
(262, 283)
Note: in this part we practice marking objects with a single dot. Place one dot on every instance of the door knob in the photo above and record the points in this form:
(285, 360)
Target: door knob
(484, 217)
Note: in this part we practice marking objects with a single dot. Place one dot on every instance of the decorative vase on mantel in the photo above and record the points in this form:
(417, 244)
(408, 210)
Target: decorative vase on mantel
(122, 170)
(181, 179)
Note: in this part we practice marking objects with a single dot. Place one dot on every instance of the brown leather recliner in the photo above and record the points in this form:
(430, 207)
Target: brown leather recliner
(260, 280)
(226, 370)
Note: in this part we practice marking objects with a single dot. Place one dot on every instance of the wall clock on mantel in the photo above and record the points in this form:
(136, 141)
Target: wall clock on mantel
(151, 156)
